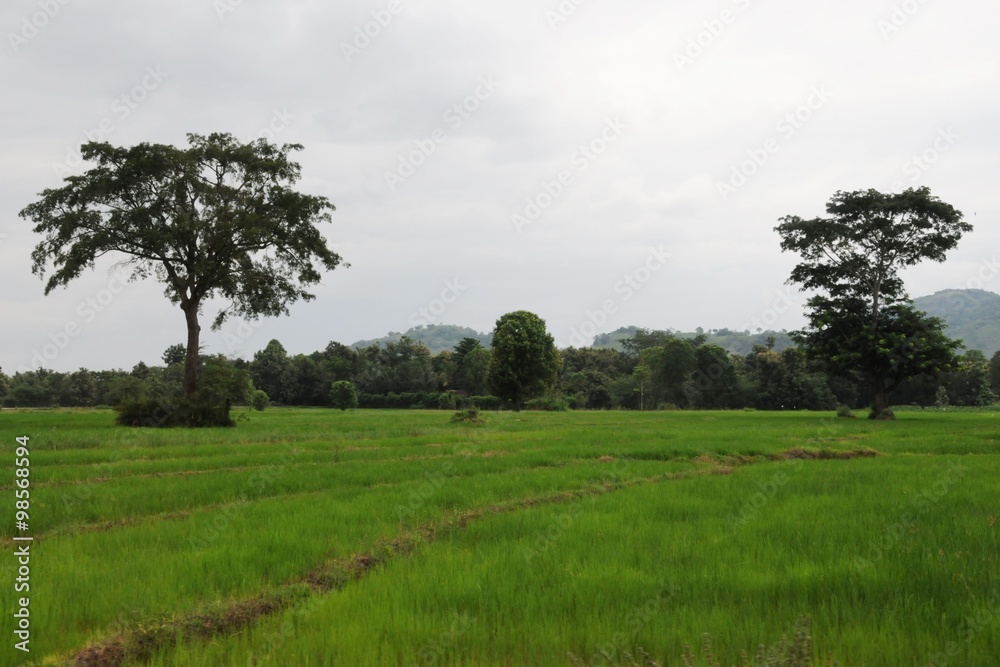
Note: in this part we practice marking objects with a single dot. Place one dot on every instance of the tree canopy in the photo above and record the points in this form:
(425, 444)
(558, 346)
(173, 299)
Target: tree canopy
(524, 361)
(864, 323)
(216, 219)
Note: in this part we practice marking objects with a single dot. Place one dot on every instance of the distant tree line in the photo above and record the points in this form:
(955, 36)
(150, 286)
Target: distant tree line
(654, 370)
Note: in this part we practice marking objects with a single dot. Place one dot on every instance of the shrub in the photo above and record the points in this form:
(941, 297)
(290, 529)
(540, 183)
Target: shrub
(343, 395)
(488, 402)
(885, 415)
(845, 412)
(548, 404)
(470, 416)
(260, 400)
(197, 411)
(447, 401)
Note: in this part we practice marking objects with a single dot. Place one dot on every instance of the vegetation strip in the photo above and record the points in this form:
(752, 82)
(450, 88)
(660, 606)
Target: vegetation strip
(139, 644)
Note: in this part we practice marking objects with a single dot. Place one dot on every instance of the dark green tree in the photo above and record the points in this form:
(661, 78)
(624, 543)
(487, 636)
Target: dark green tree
(340, 360)
(644, 339)
(175, 354)
(216, 219)
(969, 383)
(864, 322)
(272, 370)
(83, 389)
(676, 364)
(466, 345)
(524, 361)
(4, 386)
(994, 370)
(714, 385)
(343, 395)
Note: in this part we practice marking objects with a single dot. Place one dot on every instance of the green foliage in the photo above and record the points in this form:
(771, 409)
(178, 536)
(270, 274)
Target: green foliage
(144, 412)
(447, 401)
(524, 362)
(472, 362)
(343, 395)
(864, 323)
(272, 371)
(468, 416)
(885, 414)
(218, 219)
(197, 411)
(175, 354)
(222, 386)
(715, 384)
(941, 398)
(401, 366)
(550, 403)
(845, 412)
(260, 400)
(643, 339)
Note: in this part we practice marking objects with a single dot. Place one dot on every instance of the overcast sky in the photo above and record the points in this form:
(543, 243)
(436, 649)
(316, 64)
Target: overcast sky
(599, 163)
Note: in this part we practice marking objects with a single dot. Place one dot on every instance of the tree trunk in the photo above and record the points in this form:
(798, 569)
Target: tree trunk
(880, 399)
(193, 344)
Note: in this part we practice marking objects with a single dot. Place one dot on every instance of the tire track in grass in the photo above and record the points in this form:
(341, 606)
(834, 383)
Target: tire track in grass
(7, 541)
(138, 644)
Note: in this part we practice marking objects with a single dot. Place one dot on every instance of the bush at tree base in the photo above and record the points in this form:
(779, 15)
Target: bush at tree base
(197, 411)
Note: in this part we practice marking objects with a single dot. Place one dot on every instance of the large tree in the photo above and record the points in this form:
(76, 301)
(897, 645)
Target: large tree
(524, 361)
(864, 323)
(216, 219)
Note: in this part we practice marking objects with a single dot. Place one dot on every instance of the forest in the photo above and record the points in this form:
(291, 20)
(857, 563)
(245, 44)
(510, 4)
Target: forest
(652, 370)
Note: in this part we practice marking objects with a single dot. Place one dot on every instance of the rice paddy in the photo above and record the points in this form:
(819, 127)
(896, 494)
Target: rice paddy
(315, 537)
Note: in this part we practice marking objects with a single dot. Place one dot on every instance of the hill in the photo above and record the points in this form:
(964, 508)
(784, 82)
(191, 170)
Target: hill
(737, 342)
(437, 337)
(973, 315)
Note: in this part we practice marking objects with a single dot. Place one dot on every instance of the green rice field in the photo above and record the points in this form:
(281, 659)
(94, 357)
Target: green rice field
(318, 537)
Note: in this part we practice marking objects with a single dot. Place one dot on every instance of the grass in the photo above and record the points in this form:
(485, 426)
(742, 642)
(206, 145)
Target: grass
(531, 539)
